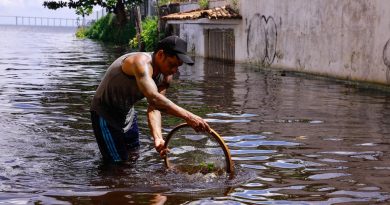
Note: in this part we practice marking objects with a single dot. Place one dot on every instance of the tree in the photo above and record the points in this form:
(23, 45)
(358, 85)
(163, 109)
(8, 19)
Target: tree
(121, 8)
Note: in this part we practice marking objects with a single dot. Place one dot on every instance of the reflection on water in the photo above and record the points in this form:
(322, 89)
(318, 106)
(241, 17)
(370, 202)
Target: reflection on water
(294, 139)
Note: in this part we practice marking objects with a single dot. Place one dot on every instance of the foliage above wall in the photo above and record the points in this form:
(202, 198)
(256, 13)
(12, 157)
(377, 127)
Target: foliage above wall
(106, 30)
(122, 8)
(203, 4)
(149, 34)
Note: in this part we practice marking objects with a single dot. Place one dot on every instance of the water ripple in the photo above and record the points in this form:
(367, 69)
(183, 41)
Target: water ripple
(293, 139)
(262, 143)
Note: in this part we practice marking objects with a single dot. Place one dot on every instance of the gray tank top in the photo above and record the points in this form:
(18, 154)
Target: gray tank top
(117, 93)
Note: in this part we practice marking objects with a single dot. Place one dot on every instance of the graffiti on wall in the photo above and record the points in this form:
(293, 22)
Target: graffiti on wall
(386, 59)
(262, 39)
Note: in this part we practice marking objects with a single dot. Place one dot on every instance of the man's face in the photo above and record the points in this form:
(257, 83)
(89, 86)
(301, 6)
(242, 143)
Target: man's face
(171, 64)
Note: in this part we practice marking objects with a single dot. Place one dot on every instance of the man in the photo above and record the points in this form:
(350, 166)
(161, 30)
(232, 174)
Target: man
(130, 78)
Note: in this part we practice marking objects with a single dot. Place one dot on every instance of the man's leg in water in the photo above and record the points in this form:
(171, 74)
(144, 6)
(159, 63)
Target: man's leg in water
(132, 140)
(111, 141)
(132, 135)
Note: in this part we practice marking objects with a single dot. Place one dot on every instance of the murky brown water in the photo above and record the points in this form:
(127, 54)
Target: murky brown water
(294, 139)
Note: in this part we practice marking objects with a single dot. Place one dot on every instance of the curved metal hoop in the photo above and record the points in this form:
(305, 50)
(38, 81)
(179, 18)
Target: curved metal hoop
(221, 142)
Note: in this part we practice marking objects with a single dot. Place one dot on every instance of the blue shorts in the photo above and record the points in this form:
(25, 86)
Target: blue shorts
(114, 144)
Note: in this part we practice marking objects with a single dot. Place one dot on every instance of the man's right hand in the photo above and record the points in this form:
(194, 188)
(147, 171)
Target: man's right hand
(197, 123)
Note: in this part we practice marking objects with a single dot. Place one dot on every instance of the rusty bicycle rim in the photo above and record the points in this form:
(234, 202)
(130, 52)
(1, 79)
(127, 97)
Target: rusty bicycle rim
(215, 135)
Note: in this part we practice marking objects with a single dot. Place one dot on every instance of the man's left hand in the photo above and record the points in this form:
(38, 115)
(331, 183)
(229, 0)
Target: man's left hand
(160, 148)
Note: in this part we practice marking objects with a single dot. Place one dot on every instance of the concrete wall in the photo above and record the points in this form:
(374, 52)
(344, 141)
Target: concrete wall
(348, 39)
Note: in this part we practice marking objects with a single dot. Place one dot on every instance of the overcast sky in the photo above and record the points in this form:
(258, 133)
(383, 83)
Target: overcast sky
(34, 8)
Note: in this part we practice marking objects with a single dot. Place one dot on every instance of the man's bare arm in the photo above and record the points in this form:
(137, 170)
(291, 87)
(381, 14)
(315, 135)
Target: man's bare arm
(154, 123)
(140, 67)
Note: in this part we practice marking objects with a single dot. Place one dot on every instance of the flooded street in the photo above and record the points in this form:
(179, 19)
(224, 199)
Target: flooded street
(294, 139)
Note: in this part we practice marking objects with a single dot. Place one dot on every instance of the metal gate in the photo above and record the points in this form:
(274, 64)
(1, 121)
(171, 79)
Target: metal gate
(219, 44)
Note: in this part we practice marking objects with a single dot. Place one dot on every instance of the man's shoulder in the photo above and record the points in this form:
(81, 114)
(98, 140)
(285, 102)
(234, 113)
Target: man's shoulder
(148, 54)
(142, 56)
(136, 63)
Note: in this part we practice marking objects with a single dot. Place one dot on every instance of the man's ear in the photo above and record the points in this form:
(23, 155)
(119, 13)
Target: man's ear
(160, 53)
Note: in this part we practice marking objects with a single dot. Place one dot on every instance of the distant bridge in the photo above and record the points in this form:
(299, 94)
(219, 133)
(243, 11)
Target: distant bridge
(43, 21)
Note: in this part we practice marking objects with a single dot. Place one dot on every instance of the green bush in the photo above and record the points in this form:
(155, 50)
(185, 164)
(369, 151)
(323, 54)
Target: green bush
(106, 29)
(203, 4)
(149, 34)
(81, 32)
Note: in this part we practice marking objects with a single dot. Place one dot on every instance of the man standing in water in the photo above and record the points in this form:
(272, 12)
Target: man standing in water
(130, 78)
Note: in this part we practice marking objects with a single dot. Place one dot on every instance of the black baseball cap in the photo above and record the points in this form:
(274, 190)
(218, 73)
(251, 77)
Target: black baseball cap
(177, 46)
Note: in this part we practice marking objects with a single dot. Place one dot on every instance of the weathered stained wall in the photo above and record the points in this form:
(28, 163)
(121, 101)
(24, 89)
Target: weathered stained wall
(348, 39)
(342, 38)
